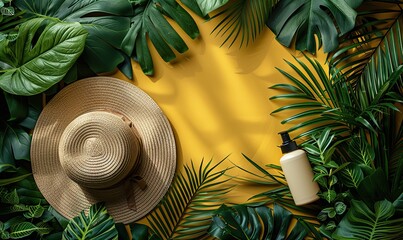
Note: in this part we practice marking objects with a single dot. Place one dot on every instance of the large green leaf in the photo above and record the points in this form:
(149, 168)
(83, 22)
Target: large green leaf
(255, 222)
(207, 6)
(43, 54)
(301, 20)
(14, 144)
(242, 19)
(98, 224)
(106, 24)
(150, 22)
(361, 222)
(185, 211)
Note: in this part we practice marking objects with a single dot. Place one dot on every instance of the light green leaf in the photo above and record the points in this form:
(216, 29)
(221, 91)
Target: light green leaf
(21, 230)
(44, 62)
(106, 24)
(207, 6)
(98, 225)
(303, 19)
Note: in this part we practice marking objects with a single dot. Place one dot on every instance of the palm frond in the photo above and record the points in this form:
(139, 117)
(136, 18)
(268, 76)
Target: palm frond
(243, 19)
(186, 210)
(377, 38)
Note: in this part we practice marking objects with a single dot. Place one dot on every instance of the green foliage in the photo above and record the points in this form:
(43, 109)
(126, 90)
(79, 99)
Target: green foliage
(186, 210)
(363, 223)
(106, 24)
(207, 6)
(96, 225)
(243, 19)
(301, 20)
(24, 212)
(255, 222)
(138, 232)
(375, 38)
(41, 56)
(149, 21)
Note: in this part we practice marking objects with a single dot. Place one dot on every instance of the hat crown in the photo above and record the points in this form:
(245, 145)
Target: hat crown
(99, 149)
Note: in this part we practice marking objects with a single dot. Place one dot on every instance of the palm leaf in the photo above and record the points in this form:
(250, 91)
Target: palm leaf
(376, 38)
(185, 211)
(255, 222)
(243, 19)
(98, 224)
(361, 222)
(150, 22)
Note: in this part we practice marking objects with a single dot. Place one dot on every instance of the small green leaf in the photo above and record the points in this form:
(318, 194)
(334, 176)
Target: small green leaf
(340, 208)
(329, 196)
(21, 230)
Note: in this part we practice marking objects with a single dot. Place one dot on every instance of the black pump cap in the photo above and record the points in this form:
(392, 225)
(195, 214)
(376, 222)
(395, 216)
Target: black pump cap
(287, 145)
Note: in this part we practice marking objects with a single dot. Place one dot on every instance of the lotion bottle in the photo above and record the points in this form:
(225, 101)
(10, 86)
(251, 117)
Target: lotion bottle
(298, 172)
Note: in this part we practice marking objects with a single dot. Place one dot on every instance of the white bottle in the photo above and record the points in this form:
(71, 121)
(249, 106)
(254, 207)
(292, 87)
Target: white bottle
(298, 172)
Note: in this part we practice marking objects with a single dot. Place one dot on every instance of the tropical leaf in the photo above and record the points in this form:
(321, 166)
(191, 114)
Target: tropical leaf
(138, 232)
(242, 19)
(38, 63)
(186, 210)
(150, 21)
(14, 144)
(301, 20)
(255, 222)
(361, 222)
(98, 224)
(352, 175)
(207, 6)
(377, 35)
(106, 24)
(24, 229)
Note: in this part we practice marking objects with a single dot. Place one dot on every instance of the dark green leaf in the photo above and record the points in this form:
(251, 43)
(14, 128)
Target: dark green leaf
(352, 175)
(150, 21)
(361, 222)
(340, 207)
(259, 222)
(17, 106)
(303, 19)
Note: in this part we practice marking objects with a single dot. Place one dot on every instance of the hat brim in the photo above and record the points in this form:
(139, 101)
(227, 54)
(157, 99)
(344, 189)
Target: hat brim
(158, 156)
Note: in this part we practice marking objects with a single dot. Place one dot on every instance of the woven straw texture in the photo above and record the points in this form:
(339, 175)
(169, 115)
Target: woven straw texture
(81, 117)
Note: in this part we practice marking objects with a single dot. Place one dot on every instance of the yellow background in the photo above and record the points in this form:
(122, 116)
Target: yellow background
(217, 99)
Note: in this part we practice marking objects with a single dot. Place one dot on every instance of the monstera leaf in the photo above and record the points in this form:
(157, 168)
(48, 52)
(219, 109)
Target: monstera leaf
(106, 22)
(207, 6)
(301, 20)
(363, 223)
(98, 224)
(149, 21)
(248, 222)
(41, 56)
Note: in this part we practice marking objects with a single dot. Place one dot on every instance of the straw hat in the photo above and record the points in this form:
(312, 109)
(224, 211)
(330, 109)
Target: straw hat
(103, 140)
